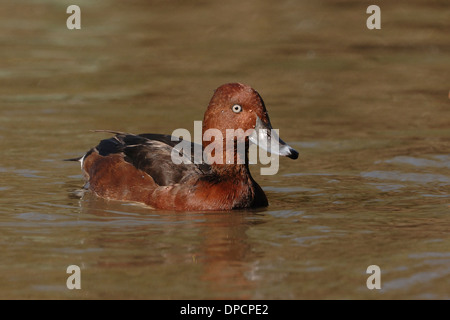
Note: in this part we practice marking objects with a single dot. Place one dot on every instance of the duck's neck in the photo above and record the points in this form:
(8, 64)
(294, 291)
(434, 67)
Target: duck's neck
(227, 156)
(237, 177)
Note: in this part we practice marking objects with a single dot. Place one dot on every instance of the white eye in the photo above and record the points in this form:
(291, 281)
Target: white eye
(236, 108)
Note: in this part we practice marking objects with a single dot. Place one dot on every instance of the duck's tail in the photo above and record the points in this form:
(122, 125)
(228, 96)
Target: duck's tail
(73, 159)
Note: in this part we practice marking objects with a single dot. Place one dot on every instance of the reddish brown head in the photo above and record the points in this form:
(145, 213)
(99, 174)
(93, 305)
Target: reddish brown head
(238, 106)
(234, 106)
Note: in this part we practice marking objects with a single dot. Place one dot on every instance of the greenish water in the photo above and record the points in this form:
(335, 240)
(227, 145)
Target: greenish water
(367, 110)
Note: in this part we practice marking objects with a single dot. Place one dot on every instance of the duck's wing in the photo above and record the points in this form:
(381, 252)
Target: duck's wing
(152, 153)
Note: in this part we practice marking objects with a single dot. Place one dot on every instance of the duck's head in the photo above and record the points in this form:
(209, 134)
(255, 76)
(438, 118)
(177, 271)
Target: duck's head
(238, 108)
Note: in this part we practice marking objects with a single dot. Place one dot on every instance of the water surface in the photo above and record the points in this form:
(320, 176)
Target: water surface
(367, 110)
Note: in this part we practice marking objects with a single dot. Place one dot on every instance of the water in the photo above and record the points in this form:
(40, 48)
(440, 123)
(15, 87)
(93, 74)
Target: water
(368, 111)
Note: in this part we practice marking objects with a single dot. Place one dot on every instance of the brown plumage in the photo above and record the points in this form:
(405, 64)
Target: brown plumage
(139, 167)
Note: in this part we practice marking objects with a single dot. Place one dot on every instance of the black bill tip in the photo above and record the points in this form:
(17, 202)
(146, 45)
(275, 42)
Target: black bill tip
(293, 154)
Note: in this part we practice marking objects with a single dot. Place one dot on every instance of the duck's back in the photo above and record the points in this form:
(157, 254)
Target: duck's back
(150, 153)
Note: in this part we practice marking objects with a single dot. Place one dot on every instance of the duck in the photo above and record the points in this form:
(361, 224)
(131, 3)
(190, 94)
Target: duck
(141, 167)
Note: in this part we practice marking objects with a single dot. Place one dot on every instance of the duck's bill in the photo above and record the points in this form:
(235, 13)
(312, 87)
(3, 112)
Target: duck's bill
(267, 138)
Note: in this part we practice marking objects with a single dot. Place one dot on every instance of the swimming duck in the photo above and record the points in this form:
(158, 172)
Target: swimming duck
(141, 168)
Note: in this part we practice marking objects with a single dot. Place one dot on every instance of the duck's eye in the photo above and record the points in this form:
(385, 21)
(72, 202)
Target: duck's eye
(236, 108)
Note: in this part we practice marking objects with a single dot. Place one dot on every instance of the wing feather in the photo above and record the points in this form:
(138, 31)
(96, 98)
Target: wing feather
(151, 153)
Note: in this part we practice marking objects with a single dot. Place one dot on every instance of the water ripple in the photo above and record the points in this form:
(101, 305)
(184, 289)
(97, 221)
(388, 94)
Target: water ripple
(412, 177)
(443, 161)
